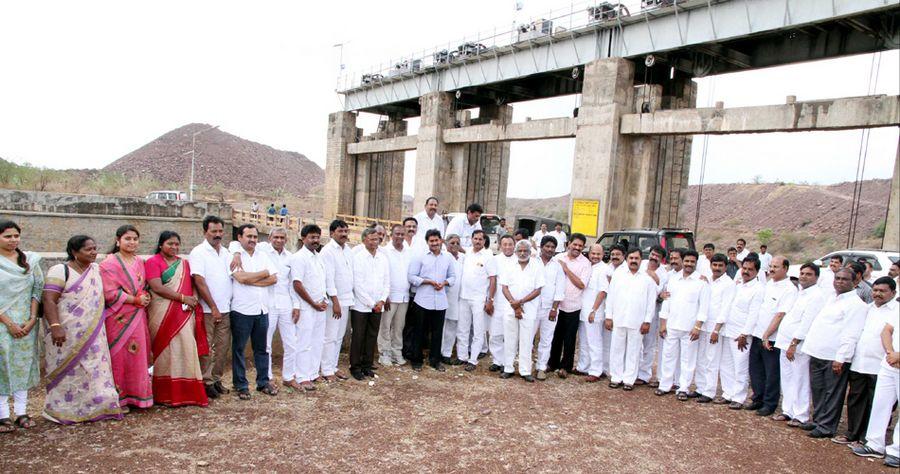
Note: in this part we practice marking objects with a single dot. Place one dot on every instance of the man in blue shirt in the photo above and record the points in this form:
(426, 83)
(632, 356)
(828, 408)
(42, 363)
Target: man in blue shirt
(430, 274)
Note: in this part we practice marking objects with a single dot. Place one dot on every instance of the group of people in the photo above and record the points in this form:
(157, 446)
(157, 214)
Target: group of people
(704, 320)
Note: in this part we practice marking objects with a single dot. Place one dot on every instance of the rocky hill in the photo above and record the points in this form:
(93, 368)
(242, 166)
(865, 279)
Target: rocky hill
(222, 161)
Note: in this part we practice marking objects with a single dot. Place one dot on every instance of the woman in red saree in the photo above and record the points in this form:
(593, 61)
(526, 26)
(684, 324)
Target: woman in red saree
(176, 327)
(126, 319)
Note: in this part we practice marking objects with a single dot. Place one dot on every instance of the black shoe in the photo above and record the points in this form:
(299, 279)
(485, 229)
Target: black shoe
(439, 367)
(693, 395)
(808, 426)
(752, 406)
(495, 368)
(818, 434)
(358, 375)
(703, 399)
(578, 372)
(470, 367)
(211, 391)
(417, 367)
(528, 378)
(369, 373)
(735, 406)
(455, 361)
(221, 388)
(446, 360)
(506, 375)
(764, 412)
(482, 355)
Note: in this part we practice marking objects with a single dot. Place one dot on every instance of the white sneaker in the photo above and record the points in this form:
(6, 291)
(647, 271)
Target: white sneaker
(385, 361)
(400, 361)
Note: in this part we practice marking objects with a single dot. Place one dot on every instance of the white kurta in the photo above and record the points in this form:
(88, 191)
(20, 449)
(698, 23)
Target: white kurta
(518, 334)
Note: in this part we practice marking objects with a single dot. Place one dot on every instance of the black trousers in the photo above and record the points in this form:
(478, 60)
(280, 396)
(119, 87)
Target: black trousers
(859, 404)
(828, 391)
(363, 339)
(765, 374)
(426, 321)
(564, 337)
(411, 320)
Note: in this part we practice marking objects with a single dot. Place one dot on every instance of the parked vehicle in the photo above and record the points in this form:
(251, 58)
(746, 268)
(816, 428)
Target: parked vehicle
(490, 224)
(880, 259)
(644, 239)
(168, 195)
(533, 224)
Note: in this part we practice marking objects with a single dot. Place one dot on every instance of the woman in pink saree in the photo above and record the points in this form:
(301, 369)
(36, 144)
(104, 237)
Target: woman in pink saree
(124, 282)
(80, 385)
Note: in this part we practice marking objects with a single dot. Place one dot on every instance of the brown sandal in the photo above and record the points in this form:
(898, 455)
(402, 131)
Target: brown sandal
(7, 426)
(25, 422)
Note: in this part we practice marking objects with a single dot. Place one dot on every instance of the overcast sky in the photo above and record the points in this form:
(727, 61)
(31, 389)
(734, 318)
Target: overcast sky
(86, 82)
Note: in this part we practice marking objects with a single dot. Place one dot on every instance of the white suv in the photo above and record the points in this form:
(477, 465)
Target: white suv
(880, 259)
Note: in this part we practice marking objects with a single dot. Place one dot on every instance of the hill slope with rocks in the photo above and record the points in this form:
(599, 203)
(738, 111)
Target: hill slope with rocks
(221, 160)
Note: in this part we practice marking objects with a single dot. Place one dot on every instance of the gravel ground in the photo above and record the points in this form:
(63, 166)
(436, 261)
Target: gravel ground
(429, 421)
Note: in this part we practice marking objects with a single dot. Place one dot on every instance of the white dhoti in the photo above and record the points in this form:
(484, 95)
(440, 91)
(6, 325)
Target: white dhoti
(333, 337)
(470, 325)
(625, 350)
(679, 354)
(590, 347)
(311, 340)
(495, 344)
(650, 342)
(709, 356)
(518, 338)
(734, 370)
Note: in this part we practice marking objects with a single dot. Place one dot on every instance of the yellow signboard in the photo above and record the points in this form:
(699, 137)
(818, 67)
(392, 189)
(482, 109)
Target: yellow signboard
(584, 216)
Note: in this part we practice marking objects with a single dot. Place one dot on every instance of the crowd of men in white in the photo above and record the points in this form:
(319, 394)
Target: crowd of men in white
(430, 287)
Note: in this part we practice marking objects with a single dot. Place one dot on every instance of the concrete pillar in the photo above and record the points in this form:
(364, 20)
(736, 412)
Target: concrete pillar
(339, 169)
(379, 176)
(600, 152)
(891, 239)
(495, 170)
(675, 155)
(643, 163)
(433, 156)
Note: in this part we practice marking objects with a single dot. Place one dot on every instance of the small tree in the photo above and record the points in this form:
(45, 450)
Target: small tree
(764, 236)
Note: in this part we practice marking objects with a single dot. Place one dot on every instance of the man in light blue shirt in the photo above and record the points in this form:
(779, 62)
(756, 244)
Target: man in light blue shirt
(429, 274)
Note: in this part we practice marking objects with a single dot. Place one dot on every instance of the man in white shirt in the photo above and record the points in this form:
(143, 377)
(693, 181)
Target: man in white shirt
(478, 285)
(765, 379)
(657, 272)
(765, 259)
(742, 251)
(494, 322)
(560, 237)
(734, 368)
(887, 395)
(794, 364)
(308, 280)
(521, 284)
(211, 275)
(867, 361)
(390, 334)
(250, 313)
(709, 354)
(451, 317)
(427, 220)
(703, 263)
(593, 311)
(629, 311)
(538, 237)
(279, 293)
(663, 274)
(680, 320)
(826, 278)
(371, 287)
(337, 257)
(551, 296)
(831, 343)
(411, 226)
(464, 225)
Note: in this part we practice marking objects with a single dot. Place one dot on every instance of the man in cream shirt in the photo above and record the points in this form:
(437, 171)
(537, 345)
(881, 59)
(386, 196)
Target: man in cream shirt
(390, 334)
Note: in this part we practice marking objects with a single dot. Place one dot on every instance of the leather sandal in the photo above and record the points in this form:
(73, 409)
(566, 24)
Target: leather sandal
(7, 426)
(25, 422)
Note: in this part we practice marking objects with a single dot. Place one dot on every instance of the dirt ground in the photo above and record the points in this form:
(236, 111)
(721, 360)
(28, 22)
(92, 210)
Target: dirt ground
(432, 422)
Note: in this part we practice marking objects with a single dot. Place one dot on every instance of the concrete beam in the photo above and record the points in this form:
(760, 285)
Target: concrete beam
(404, 143)
(830, 114)
(891, 239)
(562, 127)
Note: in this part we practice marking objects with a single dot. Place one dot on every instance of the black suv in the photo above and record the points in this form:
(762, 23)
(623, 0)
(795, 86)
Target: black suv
(643, 239)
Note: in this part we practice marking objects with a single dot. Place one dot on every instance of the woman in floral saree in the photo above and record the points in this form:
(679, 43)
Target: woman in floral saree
(80, 385)
(176, 327)
(126, 319)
